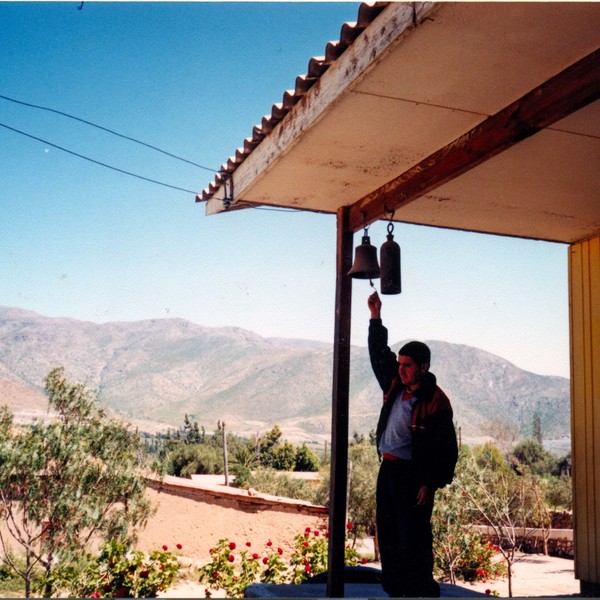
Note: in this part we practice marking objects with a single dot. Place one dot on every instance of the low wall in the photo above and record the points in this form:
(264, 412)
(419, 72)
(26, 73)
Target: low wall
(247, 500)
(559, 541)
(196, 515)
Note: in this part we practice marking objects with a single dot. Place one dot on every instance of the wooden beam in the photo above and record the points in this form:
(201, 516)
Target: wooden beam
(563, 94)
(339, 410)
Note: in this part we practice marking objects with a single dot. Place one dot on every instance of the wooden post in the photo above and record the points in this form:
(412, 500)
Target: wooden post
(339, 409)
(584, 307)
(225, 465)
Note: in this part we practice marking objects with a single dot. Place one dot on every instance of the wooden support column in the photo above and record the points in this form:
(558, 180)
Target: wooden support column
(339, 409)
(584, 296)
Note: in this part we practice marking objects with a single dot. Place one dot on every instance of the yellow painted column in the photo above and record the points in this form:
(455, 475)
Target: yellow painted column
(584, 300)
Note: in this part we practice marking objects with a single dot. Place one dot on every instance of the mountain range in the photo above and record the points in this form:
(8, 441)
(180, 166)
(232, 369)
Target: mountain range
(154, 372)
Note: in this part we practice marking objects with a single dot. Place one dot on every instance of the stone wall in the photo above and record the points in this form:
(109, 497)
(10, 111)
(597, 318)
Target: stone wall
(559, 541)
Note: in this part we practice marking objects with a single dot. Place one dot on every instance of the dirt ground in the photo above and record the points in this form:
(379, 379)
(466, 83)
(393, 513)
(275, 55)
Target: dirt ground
(535, 575)
(197, 526)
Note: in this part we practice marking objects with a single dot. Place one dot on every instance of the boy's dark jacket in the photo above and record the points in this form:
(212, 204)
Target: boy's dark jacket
(435, 450)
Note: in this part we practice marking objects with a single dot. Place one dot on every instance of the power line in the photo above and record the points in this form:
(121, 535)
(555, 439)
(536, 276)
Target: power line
(123, 171)
(97, 162)
(111, 131)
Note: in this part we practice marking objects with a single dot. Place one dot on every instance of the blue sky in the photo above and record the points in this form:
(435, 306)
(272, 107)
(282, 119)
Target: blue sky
(83, 241)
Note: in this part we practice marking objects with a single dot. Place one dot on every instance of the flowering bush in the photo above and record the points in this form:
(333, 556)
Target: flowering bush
(119, 573)
(233, 570)
(476, 562)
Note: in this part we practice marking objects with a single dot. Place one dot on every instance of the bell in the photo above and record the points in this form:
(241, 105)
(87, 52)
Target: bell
(365, 261)
(389, 256)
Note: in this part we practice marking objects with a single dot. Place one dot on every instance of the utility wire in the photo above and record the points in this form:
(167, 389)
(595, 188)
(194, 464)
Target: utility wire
(126, 137)
(97, 162)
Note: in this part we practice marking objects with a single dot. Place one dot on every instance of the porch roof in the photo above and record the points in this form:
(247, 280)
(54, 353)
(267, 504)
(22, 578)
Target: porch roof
(472, 115)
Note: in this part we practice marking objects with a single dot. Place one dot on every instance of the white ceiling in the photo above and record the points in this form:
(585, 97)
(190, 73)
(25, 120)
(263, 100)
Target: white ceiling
(401, 93)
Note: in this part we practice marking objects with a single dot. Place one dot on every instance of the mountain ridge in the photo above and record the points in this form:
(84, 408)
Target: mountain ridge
(157, 370)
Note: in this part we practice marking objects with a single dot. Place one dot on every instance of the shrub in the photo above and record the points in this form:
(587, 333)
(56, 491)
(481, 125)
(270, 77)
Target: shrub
(306, 459)
(476, 561)
(120, 573)
(277, 483)
(232, 569)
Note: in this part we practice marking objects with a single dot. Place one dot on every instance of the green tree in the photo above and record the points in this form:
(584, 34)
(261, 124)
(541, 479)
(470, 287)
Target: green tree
(364, 466)
(564, 465)
(185, 460)
(284, 457)
(452, 523)
(559, 492)
(532, 455)
(191, 432)
(306, 459)
(508, 503)
(537, 428)
(267, 445)
(63, 482)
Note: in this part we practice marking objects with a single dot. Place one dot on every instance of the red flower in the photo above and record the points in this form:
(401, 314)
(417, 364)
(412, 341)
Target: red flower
(280, 550)
(232, 545)
(349, 526)
(307, 568)
(307, 530)
(305, 544)
(178, 546)
(269, 543)
(265, 560)
(364, 561)
(95, 595)
(165, 548)
(316, 532)
(211, 551)
(488, 592)
(255, 556)
(248, 544)
(231, 558)
(216, 575)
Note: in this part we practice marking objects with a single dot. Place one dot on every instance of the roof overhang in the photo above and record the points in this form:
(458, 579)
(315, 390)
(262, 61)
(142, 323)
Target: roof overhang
(474, 116)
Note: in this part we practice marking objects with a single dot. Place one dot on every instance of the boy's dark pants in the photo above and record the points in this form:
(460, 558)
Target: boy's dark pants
(404, 533)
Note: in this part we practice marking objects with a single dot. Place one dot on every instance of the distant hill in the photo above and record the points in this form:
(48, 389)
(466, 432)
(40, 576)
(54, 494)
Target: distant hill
(154, 372)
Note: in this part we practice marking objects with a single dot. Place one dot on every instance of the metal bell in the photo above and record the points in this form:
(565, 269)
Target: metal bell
(389, 256)
(365, 261)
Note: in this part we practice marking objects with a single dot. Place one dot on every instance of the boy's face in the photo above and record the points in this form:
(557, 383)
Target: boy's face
(410, 372)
